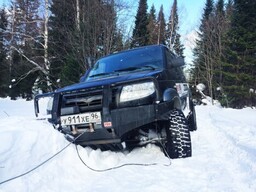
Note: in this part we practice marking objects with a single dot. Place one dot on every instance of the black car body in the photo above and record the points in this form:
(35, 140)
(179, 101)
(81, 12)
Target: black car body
(127, 99)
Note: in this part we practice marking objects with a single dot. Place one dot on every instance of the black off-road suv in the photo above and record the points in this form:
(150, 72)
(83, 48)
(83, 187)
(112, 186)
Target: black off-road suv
(128, 99)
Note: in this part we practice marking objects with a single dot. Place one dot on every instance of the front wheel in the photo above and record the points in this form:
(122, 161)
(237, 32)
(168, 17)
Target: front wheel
(178, 143)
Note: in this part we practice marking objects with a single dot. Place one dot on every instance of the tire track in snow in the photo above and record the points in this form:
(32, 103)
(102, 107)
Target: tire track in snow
(237, 166)
(241, 161)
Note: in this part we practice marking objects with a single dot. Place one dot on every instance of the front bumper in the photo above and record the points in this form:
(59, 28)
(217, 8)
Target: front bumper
(123, 121)
(116, 120)
(115, 125)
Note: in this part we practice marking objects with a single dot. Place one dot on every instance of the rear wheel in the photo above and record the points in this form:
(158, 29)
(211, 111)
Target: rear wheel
(178, 143)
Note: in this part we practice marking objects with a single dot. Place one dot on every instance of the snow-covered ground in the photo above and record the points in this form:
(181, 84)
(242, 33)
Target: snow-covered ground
(224, 157)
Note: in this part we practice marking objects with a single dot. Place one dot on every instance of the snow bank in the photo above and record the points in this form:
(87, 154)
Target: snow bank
(224, 157)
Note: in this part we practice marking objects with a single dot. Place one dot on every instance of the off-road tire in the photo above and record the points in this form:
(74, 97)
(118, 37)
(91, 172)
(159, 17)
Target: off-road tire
(178, 143)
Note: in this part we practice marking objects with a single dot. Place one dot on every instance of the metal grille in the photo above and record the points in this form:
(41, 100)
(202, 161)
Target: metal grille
(83, 101)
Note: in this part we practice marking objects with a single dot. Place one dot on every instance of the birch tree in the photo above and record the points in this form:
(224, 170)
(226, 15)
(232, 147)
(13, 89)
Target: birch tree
(28, 42)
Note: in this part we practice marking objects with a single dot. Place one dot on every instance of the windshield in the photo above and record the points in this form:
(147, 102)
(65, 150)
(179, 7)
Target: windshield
(148, 58)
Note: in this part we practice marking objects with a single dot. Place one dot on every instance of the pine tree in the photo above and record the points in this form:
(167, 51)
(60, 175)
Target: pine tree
(239, 60)
(140, 32)
(220, 7)
(152, 26)
(161, 27)
(4, 69)
(199, 72)
(62, 39)
(218, 30)
(228, 11)
(172, 34)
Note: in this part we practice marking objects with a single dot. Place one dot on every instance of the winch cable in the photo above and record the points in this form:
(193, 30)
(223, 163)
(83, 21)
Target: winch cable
(163, 146)
(44, 162)
(112, 168)
(126, 164)
(164, 150)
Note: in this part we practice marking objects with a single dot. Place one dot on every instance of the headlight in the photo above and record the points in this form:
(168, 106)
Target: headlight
(137, 91)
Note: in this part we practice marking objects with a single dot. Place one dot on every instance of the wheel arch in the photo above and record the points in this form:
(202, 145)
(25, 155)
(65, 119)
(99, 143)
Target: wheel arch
(171, 94)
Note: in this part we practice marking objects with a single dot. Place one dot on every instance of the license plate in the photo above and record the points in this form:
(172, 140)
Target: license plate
(82, 118)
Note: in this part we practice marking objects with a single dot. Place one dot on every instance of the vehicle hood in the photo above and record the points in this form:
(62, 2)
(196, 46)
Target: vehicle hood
(123, 77)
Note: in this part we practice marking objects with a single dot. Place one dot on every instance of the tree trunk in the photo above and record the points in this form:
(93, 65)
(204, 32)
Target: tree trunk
(46, 37)
(78, 15)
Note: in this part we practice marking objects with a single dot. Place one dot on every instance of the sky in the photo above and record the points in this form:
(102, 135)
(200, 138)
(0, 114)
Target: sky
(189, 12)
(4, 2)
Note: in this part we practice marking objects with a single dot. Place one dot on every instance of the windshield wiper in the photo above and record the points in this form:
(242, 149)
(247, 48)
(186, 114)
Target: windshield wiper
(128, 69)
(136, 68)
(101, 74)
(148, 67)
